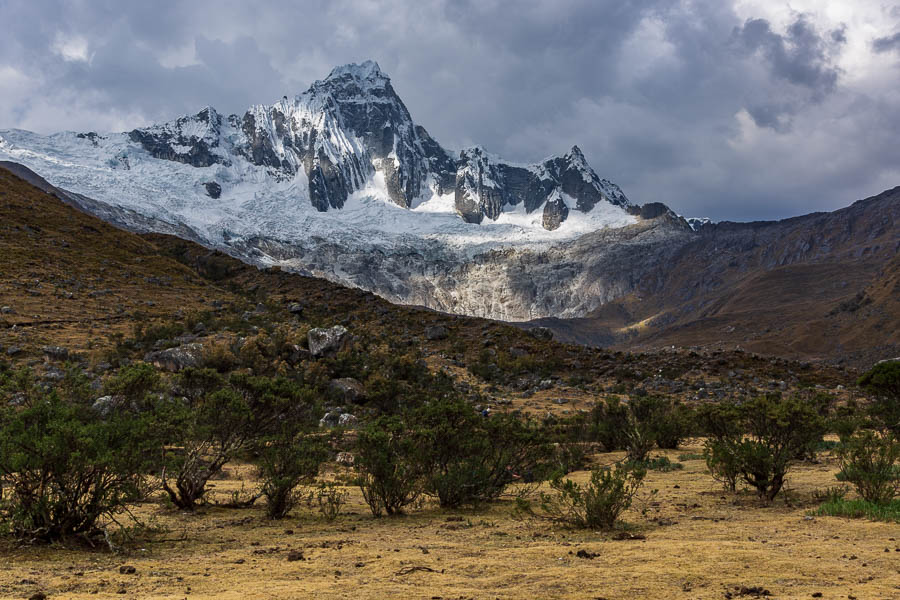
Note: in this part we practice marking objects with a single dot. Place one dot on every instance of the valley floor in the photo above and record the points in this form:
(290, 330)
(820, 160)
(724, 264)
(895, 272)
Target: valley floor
(688, 540)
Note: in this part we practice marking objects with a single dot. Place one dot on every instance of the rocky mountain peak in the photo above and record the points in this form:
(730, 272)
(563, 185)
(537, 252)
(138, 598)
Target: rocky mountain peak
(351, 131)
(366, 71)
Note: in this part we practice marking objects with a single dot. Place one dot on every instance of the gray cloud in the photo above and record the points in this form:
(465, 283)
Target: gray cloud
(683, 102)
(887, 43)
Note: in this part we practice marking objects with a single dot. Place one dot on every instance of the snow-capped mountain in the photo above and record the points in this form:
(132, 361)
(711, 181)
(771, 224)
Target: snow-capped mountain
(340, 182)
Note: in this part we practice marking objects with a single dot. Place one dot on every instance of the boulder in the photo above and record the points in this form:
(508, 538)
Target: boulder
(436, 332)
(516, 352)
(56, 352)
(295, 308)
(541, 333)
(177, 359)
(330, 419)
(104, 405)
(347, 420)
(349, 389)
(326, 341)
(213, 189)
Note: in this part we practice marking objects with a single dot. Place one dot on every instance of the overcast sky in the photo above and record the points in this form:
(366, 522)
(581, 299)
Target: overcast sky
(733, 109)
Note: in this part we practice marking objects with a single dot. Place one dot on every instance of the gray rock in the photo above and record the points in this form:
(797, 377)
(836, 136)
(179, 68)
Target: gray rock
(56, 352)
(6, 310)
(518, 352)
(331, 418)
(176, 359)
(541, 333)
(349, 389)
(436, 332)
(347, 420)
(295, 308)
(213, 189)
(652, 210)
(555, 212)
(104, 405)
(13, 350)
(53, 374)
(326, 341)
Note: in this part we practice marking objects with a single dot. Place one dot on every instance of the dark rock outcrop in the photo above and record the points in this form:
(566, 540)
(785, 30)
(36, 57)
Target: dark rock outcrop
(213, 189)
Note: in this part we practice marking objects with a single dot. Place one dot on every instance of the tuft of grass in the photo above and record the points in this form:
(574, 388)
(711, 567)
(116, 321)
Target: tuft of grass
(860, 509)
(691, 456)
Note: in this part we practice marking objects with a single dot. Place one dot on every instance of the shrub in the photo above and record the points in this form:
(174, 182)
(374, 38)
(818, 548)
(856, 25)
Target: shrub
(329, 498)
(662, 463)
(597, 504)
(212, 429)
(65, 469)
(884, 382)
(389, 476)
(671, 423)
(477, 466)
(135, 384)
(722, 461)
(287, 460)
(871, 462)
(609, 424)
(759, 440)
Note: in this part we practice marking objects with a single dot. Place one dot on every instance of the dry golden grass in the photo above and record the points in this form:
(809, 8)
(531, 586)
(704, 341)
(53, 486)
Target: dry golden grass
(699, 543)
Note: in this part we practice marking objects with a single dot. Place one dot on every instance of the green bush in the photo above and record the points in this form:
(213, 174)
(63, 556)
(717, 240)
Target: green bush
(285, 461)
(209, 430)
(475, 466)
(610, 423)
(597, 504)
(135, 384)
(389, 474)
(64, 469)
(759, 440)
(661, 463)
(329, 498)
(883, 381)
(671, 422)
(871, 462)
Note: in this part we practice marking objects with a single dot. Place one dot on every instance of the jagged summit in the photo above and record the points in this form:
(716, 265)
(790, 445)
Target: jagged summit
(348, 147)
(367, 70)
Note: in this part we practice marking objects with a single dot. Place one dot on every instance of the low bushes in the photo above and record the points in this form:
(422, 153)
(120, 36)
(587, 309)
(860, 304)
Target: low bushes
(64, 469)
(871, 463)
(389, 474)
(596, 504)
(446, 450)
(758, 441)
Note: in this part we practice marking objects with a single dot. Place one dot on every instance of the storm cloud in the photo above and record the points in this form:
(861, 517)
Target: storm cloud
(733, 109)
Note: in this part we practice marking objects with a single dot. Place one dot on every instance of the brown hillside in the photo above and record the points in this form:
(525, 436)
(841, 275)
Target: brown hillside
(822, 286)
(73, 281)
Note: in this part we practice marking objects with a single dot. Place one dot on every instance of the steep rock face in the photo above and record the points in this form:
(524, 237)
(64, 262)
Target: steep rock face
(555, 212)
(192, 140)
(485, 185)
